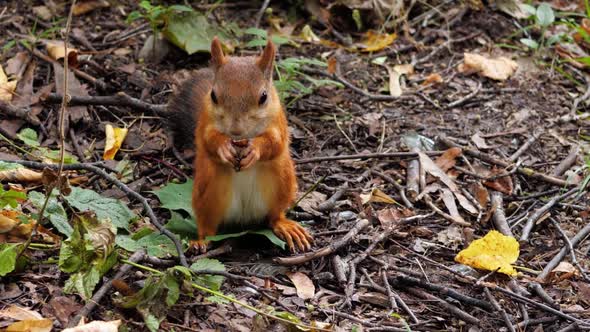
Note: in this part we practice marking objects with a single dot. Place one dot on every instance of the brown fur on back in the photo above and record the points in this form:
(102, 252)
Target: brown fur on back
(186, 104)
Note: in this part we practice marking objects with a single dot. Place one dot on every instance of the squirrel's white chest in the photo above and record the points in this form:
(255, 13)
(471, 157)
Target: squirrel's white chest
(247, 203)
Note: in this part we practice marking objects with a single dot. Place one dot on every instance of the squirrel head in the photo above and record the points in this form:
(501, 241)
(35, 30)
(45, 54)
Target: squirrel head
(243, 98)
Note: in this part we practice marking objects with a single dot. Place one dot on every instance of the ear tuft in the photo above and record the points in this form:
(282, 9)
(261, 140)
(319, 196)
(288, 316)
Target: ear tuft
(266, 59)
(217, 57)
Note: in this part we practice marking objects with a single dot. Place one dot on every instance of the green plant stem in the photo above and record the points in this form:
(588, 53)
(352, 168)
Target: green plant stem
(11, 143)
(228, 298)
(307, 192)
(42, 246)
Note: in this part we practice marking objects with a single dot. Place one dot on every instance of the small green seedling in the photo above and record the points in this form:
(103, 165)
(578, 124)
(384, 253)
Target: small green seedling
(543, 17)
(155, 14)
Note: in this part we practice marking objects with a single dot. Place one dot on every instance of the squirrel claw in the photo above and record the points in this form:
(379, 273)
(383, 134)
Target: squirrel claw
(227, 153)
(200, 246)
(250, 156)
(293, 234)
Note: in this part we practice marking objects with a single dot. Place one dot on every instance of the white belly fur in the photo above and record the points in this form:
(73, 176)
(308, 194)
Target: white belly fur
(247, 204)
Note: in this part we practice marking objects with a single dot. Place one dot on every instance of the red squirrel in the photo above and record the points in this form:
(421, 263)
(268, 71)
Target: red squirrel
(244, 174)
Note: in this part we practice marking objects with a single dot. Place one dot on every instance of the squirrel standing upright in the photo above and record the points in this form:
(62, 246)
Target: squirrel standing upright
(244, 174)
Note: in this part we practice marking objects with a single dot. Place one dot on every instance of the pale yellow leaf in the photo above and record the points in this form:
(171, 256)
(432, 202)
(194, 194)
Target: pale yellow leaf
(55, 50)
(20, 175)
(6, 87)
(19, 313)
(500, 68)
(114, 138)
(494, 251)
(96, 326)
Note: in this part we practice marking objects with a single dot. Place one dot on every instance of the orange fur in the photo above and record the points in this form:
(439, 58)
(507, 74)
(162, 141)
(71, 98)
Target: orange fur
(265, 182)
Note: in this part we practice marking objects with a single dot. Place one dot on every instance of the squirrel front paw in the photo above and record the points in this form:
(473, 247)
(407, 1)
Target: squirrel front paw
(228, 153)
(250, 155)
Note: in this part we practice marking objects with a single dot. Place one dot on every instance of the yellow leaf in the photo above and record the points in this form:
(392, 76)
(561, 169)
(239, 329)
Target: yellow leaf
(114, 138)
(6, 87)
(377, 196)
(376, 42)
(494, 251)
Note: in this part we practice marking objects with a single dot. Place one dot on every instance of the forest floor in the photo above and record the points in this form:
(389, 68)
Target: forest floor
(455, 156)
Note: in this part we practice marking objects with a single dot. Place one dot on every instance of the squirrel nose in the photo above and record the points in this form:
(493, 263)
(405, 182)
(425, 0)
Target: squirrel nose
(235, 132)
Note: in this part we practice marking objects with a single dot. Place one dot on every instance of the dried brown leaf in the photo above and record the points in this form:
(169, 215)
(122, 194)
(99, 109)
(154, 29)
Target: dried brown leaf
(83, 7)
(448, 159)
(96, 326)
(304, 285)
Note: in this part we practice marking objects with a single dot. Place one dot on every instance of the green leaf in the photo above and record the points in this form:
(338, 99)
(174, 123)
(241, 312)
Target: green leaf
(530, 43)
(8, 166)
(82, 283)
(356, 16)
(176, 196)
(210, 281)
(185, 227)
(54, 155)
(545, 16)
(265, 232)
(152, 322)
(257, 32)
(10, 197)
(105, 208)
(173, 290)
(221, 237)
(133, 16)
(272, 237)
(156, 244)
(29, 137)
(54, 211)
(180, 8)
(8, 253)
(380, 60)
(191, 31)
(255, 43)
(585, 60)
(528, 9)
(279, 40)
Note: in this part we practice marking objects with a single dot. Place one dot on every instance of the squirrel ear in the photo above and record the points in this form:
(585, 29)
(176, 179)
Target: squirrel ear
(266, 59)
(217, 57)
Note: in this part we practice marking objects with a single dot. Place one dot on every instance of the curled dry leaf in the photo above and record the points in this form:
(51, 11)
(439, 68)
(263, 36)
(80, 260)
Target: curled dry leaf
(375, 41)
(395, 75)
(310, 203)
(96, 326)
(376, 196)
(114, 139)
(332, 65)
(564, 270)
(6, 87)
(55, 50)
(449, 200)
(83, 7)
(494, 251)
(448, 159)
(15, 224)
(479, 141)
(19, 313)
(20, 175)
(308, 35)
(503, 184)
(498, 69)
(432, 79)
(431, 168)
(480, 193)
(304, 285)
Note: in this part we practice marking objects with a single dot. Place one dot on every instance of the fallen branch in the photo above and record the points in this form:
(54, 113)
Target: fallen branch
(327, 250)
(530, 223)
(23, 113)
(492, 160)
(367, 156)
(119, 99)
(128, 191)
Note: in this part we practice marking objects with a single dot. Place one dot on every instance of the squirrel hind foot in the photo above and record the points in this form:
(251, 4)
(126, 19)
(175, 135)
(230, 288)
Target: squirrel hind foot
(293, 233)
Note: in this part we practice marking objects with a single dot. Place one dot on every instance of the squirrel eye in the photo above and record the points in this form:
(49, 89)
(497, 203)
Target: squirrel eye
(213, 97)
(263, 97)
